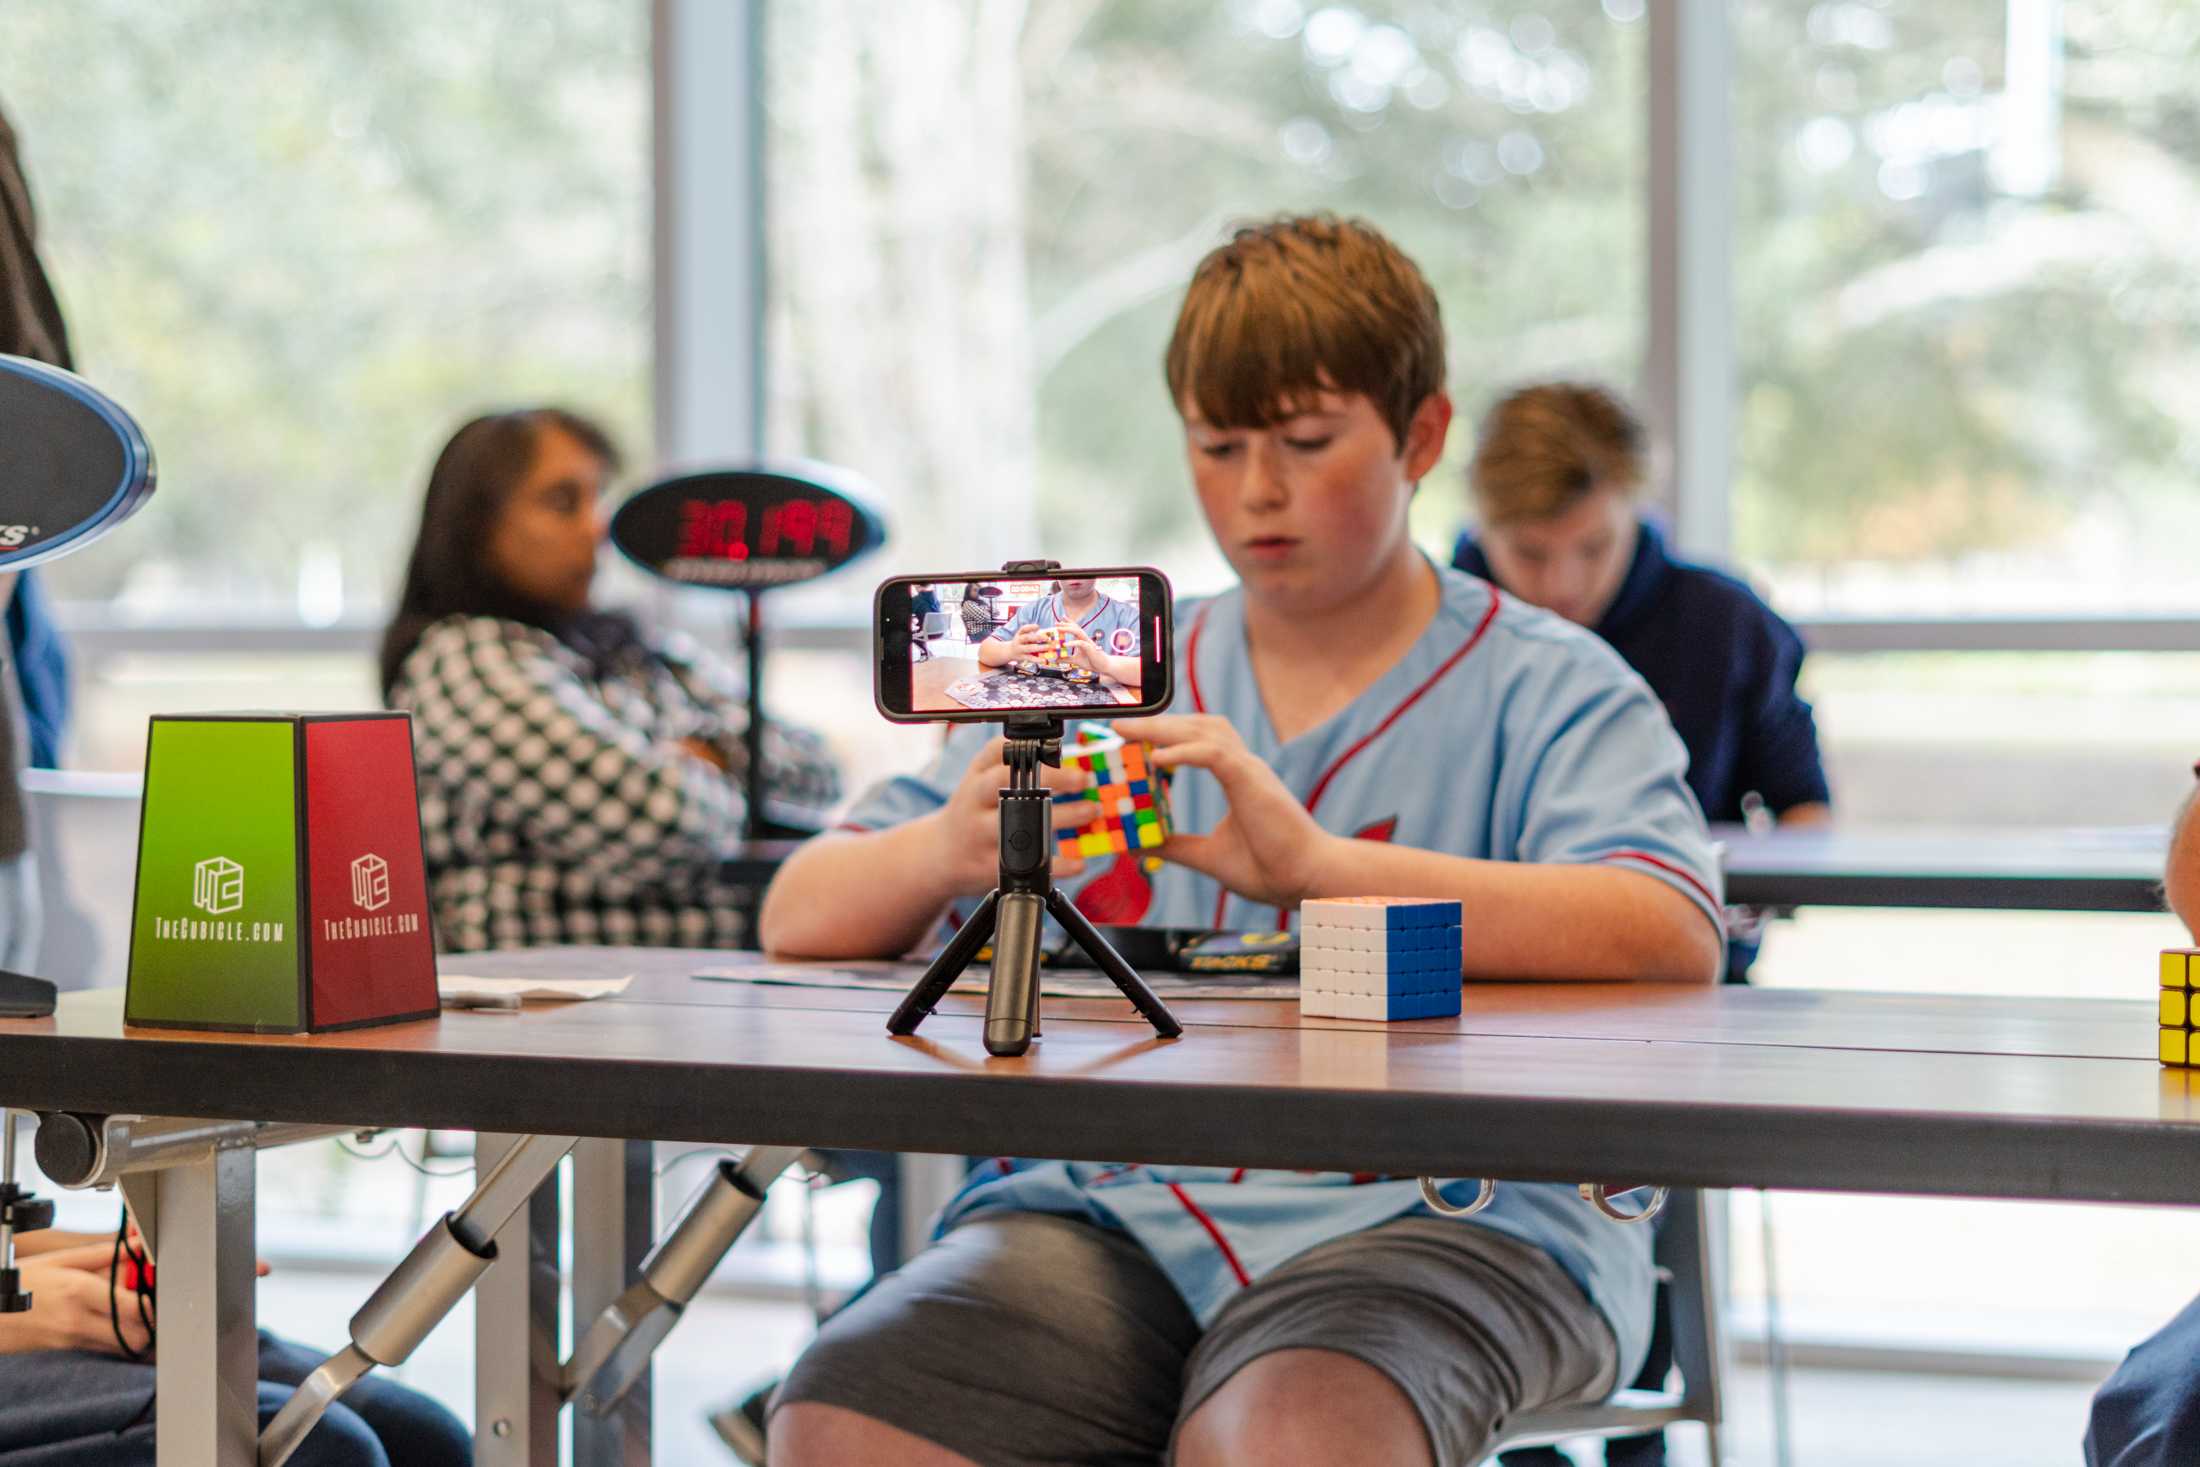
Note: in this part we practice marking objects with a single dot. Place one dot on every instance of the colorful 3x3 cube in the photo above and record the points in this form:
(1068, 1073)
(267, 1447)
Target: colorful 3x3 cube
(1130, 797)
(1379, 958)
(2179, 1016)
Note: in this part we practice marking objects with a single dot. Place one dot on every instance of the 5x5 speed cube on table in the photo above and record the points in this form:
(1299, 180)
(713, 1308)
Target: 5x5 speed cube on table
(1379, 958)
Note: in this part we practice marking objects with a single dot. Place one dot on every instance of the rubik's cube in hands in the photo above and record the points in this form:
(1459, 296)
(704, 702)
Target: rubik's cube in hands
(1129, 796)
(1379, 958)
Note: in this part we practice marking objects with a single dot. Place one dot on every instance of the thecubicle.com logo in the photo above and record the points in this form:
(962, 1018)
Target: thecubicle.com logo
(370, 883)
(217, 886)
(370, 892)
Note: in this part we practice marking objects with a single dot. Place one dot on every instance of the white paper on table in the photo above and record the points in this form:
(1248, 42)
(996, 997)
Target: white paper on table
(529, 990)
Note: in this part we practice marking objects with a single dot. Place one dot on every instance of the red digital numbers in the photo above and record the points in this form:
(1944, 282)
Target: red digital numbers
(718, 529)
(714, 529)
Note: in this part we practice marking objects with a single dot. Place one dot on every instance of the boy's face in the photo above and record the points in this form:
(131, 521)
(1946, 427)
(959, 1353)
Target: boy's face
(1311, 509)
(1572, 563)
(1077, 590)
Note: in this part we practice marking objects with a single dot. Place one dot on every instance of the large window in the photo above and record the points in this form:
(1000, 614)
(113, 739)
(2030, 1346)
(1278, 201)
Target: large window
(303, 242)
(1968, 284)
(982, 219)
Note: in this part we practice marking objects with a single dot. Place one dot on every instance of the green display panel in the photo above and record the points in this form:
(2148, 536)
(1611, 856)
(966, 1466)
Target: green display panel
(214, 942)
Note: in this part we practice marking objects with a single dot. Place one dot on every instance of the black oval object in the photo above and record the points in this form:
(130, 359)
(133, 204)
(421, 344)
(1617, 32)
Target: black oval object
(73, 464)
(749, 528)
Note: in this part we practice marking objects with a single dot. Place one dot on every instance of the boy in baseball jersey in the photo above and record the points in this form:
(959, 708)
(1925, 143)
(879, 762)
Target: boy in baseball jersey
(1102, 631)
(1356, 720)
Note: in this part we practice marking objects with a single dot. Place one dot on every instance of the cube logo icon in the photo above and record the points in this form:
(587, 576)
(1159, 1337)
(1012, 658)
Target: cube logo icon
(370, 883)
(217, 885)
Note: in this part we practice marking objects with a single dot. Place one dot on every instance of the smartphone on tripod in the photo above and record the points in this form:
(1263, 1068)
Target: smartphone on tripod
(1026, 647)
(983, 646)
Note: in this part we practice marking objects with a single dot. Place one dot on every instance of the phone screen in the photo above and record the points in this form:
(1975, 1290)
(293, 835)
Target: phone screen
(977, 647)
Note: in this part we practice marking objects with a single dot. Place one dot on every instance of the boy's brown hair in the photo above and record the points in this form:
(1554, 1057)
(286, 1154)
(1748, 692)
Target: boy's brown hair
(1545, 448)
(1299, 305)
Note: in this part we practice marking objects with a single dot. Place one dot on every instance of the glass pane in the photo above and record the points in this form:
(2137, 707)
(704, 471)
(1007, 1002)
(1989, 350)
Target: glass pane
(302, 242)
(1930, 195)
(982, 219)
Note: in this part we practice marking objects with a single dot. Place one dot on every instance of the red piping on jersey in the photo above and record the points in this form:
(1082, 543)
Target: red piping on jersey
(1321, 785)
(1669, 869)
(1229, 1254)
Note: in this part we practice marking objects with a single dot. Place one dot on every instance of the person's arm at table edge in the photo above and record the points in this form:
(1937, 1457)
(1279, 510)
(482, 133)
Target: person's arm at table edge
(1533, 921)
(2181, 876)
(1805, 815)
(809, 912)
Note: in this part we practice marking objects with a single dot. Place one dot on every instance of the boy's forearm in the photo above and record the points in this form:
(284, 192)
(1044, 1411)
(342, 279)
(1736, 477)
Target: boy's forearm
(992, 652)
(856, 895)
(1530, 921)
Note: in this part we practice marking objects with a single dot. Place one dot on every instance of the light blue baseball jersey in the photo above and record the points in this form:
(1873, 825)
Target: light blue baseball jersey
(1113, 624)
(1504, 733)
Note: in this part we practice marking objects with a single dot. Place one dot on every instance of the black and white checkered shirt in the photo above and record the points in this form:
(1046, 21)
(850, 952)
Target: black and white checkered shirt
(556, 802)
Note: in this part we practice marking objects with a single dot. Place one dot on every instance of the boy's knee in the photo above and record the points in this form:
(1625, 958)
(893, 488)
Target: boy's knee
(1311, 1406)
(806, 1432)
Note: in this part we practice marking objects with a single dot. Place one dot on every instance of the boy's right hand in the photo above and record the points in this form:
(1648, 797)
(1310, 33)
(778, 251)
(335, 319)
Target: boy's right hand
(971, 820)
(1033, 640)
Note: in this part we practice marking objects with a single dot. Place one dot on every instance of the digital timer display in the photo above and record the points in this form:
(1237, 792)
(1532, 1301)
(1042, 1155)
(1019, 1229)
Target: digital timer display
(747, 529)
(725, 529)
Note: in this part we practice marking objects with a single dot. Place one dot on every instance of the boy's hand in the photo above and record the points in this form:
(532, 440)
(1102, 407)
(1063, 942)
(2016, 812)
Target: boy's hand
(1081, 648)
(971, 821)
(1031, 641)
(1268, 848)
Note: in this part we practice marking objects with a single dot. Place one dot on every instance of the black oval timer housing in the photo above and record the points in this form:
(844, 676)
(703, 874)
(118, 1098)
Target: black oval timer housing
(73, 464)
(750, 528)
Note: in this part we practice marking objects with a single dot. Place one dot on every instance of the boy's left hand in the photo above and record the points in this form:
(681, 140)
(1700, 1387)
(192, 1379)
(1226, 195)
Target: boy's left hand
(1268, 848)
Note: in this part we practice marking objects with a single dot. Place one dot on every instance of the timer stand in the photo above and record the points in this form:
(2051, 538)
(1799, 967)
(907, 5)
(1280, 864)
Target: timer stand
(751, 529)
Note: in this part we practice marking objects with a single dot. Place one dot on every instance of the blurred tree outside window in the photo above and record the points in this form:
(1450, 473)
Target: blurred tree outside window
(304, 242)
(982, 216)
(1967, 274)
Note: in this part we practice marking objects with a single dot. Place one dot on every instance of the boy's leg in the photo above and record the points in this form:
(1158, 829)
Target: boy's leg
(1423, 1331)
(1017, 1338)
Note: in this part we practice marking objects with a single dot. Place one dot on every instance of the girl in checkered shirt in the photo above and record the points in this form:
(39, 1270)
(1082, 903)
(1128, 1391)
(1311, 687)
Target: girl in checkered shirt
(578, 783)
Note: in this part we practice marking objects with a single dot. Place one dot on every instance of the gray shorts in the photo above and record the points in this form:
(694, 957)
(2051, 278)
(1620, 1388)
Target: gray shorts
(1025, 1338)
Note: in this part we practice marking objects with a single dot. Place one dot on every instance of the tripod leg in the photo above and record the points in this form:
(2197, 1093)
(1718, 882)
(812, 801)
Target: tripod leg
(1110, 962)
(946, 968)
(1012, 998)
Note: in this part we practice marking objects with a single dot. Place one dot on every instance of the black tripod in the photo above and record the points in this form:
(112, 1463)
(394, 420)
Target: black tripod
(1012, 914)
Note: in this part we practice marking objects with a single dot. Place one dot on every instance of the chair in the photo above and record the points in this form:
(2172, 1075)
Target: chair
(930, 626)
(1688, 1269)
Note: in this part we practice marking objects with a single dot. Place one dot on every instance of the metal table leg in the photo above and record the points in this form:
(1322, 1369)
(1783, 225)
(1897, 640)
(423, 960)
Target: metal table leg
(208, 1367)
(517, 1331)
(614, 1227)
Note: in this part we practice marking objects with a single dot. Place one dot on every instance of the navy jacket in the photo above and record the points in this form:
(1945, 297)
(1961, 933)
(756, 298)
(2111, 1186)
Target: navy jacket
(1723, 663)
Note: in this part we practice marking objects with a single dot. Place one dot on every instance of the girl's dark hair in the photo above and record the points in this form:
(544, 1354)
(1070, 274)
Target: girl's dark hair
(449, 574)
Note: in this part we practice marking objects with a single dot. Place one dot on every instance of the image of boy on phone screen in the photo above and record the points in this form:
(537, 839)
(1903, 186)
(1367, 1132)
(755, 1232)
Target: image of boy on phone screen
(1354, 720)
(1099, 631)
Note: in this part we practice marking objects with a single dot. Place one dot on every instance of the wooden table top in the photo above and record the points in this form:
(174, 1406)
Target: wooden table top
(1694, 1085)
(2082, 869)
